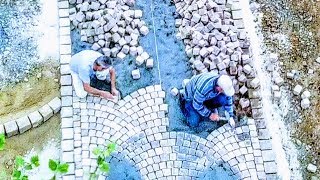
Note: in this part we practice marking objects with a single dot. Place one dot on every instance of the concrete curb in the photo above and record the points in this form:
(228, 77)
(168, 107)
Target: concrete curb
(31, 120)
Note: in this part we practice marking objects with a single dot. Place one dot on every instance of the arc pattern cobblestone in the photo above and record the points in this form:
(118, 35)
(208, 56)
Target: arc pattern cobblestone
(138, 125)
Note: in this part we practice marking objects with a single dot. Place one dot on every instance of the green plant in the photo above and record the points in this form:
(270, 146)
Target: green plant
(102, 154)
(2, 141)
(57, 168)
(21, 166)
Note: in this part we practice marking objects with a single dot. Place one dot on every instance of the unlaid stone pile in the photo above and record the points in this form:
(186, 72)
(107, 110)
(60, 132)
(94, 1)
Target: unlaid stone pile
(213, 42)
(113, 27)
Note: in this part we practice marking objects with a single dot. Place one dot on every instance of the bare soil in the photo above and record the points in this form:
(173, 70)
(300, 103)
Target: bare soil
(19, 99)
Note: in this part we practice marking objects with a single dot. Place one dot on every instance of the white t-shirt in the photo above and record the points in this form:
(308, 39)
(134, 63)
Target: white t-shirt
(82, 64)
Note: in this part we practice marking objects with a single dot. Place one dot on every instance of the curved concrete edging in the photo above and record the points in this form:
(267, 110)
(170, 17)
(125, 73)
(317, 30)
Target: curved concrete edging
(32, 120)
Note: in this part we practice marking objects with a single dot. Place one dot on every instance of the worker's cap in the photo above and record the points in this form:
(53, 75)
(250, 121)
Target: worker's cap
(226, 84)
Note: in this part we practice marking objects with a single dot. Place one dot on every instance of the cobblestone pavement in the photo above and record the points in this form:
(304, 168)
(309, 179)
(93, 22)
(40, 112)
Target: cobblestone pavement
(138, 124)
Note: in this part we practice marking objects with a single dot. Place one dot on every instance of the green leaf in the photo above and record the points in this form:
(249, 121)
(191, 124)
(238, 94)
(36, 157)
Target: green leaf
(104, 167)
(24, 177)
(93, 176)
(111, 147)
(16, 174)
(28, 166)
(52, 165)
(100, 160)
(96, 151)
(63, 168)
(19, 161)
(35, 160)
(2, 141)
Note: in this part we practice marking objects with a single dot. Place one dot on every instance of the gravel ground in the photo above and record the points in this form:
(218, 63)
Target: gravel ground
(25, 30)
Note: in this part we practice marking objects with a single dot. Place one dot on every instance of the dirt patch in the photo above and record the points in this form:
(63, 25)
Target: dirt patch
(19, 99)
(292, 29)
(35, 139)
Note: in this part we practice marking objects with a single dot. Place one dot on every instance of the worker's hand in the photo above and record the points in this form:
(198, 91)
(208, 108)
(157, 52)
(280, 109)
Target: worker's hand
(106, 95)
(115, 92)
(214, 117)
(231, 122)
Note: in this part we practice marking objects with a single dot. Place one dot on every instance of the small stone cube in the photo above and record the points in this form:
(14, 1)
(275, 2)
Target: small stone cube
(46, 112)
(55, 104)
(35, 118)
(136, 74)
(11, 128)
(297, 90)
(23, 124)
(149, 63)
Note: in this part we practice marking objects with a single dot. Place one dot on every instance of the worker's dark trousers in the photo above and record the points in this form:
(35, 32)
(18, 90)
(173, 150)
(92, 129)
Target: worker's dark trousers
(192, 115)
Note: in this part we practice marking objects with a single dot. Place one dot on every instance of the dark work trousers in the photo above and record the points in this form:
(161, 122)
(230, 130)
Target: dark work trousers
(192, 115)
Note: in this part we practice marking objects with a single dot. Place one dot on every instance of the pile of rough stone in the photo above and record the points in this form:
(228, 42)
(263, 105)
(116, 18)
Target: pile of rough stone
(214, 44)
(113, 27)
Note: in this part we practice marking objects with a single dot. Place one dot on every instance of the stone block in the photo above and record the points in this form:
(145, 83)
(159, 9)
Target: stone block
(65, 59)
(306, 94)
(297, 90)
(67, 145)
(254, 93)
(198, 65)
(137, 14)
(65, 80)
(244, 102)
(67, 157)
(243, 90)
(239, 23)
(23, 124)
(256, 103)
(11, 128)
(270, 167)
(66, 101)
(144, 30)
(66, 112)
(174, 91)
(139, 60)
(35, 118)
(247, 69)
(136, 74)
(66, 91)
(263, 134)
(55, 104)
(46, 112)
(65, 49)
(121, 55)
(268, 155)
(312, 168)
(257, 113)
(255, 83)
(64, 69)
(305, 103)
(67, 133)
(149, 63)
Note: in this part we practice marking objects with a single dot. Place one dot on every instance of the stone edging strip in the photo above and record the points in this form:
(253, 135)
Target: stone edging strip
(32, 120)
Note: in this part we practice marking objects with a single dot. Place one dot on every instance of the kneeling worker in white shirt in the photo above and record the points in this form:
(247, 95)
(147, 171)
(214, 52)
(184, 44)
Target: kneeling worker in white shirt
(89, 64)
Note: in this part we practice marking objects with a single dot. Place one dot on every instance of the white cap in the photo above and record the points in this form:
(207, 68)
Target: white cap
(226, 84)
